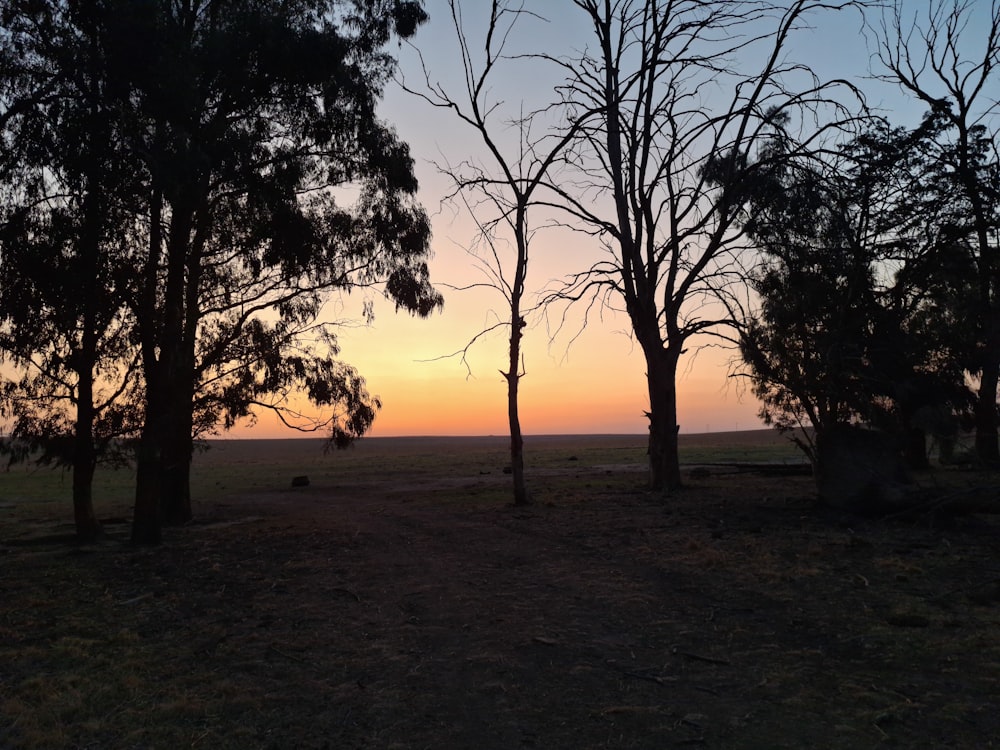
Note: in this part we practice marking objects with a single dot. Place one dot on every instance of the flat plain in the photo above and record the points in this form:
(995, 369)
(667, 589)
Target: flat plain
(400, 601)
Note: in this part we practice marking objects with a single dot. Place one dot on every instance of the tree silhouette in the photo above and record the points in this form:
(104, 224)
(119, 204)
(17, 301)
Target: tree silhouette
(949, 59)
(67, 189)
(658, 177)
(848, 330)
(256, 183)
(500, 197)
(245, 147)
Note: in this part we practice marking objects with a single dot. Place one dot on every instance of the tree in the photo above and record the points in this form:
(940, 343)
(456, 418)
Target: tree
(849, 328)
(246, 150)
(929, 57)
(658, 175)
(65, 183)
(806, 346)
(500, 200)
(218, 163)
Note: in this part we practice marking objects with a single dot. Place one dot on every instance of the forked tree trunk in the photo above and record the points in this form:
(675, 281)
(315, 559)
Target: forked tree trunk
(178, 449)
(165, 455)
(147, 520)
(88, 529)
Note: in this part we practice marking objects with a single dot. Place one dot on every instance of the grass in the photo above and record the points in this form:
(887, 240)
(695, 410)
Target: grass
(399, 601)
(230, 468)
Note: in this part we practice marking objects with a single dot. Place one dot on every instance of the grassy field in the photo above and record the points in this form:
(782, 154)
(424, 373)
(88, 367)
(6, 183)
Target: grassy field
(400, 601)
(232, 467)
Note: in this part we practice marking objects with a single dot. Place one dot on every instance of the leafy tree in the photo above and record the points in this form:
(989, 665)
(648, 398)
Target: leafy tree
(849, 329)
(245, 150)
(65, 185)
(948, 57)
(207, 191)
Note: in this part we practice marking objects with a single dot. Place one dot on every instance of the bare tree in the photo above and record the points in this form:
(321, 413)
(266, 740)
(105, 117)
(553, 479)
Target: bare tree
(499, 196)
(658, 177)
(946, 58)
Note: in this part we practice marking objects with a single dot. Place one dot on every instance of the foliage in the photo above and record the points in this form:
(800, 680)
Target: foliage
(858, 319)
(67, 191)
(64, 187)
(184, 197)
(947, 58)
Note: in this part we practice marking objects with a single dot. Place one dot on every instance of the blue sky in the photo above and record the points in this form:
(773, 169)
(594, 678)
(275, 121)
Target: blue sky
(596, 382)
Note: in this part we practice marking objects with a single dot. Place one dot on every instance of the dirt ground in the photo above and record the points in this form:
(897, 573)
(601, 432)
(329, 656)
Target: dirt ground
(399, 601)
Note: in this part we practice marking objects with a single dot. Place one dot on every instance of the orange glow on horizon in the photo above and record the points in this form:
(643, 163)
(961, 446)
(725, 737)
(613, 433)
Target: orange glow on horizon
(598, 391)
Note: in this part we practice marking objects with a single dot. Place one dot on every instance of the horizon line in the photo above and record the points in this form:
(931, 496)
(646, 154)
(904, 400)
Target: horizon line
(491, 435)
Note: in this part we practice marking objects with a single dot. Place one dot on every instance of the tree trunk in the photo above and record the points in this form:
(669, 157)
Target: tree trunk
(176, 469)
(162, 481)
(147, 518)
(987, 444)
(179, 446)
(513, 374)
(88, 528)
(164, 452)
(521, 495)
(664, 461)
(915, 449)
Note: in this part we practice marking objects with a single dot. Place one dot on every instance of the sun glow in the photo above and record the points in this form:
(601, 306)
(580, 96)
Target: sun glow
(596, 384)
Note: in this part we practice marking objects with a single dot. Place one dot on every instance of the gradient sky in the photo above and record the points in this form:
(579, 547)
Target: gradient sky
(592, 384)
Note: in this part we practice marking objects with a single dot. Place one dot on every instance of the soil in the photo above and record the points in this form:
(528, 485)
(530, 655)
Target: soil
(406, 604)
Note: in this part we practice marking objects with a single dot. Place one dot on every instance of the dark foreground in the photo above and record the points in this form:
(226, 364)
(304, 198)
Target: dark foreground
(399, 602)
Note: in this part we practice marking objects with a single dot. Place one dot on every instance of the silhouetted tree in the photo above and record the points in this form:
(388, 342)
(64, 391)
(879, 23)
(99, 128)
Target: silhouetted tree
(66, 188)
(947, 55)
(500, 199)
(245, 147)
(658, 176)
(846, 329)
(242, 184)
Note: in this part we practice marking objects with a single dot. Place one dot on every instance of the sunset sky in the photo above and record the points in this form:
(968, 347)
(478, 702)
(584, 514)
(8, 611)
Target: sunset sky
(594, 383)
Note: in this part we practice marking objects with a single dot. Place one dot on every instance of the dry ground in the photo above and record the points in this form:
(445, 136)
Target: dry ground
(399, 601)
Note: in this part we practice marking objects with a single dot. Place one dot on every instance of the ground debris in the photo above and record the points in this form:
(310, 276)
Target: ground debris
(699, 657)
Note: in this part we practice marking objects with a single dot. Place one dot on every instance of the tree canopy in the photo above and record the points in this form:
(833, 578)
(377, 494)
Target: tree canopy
(849, 327)
(259, 182)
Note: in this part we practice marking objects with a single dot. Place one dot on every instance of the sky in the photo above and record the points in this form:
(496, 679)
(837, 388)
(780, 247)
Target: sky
(588, 379)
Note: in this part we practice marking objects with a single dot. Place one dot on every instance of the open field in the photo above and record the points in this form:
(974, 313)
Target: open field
(399, 601)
